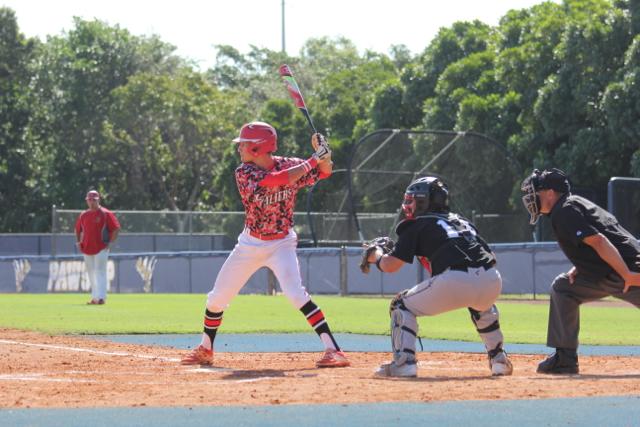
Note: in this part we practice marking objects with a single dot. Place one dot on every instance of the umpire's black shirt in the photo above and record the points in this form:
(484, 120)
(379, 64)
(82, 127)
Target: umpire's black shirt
(445, 240)
(573, 218)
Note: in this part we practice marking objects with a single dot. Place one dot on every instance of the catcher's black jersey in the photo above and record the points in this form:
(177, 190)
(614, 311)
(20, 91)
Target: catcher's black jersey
(573, 218)
(445, 240)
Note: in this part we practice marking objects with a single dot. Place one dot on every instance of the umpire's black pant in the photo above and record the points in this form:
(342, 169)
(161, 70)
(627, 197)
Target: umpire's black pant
(564, 308)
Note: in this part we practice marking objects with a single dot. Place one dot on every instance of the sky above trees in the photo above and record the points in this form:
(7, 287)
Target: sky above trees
(195, 26)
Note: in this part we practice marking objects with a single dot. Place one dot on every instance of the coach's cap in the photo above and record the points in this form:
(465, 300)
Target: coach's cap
(93, 195)
(554, 179)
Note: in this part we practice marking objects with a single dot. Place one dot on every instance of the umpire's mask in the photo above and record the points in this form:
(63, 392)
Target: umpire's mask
(549, 179)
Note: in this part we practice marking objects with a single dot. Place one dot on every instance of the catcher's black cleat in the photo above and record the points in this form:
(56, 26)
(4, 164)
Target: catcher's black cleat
(563, 361)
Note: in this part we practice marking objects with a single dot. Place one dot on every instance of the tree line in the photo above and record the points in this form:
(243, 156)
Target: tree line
(98, 107)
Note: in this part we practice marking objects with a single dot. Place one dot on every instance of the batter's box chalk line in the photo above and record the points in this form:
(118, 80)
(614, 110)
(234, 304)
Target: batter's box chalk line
(92, 351)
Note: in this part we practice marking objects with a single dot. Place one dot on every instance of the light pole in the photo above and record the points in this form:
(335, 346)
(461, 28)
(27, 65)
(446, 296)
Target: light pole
(284, 50)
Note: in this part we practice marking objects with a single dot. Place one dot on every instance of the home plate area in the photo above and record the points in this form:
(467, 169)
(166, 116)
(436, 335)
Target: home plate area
(40, 370)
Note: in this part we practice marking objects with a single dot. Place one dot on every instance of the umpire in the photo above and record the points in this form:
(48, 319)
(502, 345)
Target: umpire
(605, 258)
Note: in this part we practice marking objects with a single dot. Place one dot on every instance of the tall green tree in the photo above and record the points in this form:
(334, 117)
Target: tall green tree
(472, 75)
(621, 104)
(164, 140)
(71, 92)
(17, 189)
(450, 45)
(572, 123)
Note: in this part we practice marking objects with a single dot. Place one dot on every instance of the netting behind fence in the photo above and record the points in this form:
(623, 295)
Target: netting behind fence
(481, 177)
(160, 221)
(363, 201)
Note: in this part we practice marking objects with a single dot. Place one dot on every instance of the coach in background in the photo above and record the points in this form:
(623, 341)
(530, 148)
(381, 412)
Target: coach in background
(605, 258)
(96, 230)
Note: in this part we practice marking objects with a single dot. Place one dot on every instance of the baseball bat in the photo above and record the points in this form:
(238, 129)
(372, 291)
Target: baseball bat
(296, 95)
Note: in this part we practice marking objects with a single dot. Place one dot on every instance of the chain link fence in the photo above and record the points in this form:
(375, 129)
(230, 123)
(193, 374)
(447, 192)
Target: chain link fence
(160, 231)
(363, 201)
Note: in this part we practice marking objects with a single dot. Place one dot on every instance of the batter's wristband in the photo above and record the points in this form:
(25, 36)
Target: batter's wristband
(378, 263)
(309, 164)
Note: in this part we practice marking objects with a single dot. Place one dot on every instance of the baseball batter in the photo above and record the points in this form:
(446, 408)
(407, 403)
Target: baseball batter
(268, 186)
(463, 274)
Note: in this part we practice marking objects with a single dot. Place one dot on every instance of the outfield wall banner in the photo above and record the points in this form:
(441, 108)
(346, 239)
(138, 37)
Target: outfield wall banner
(526, 268)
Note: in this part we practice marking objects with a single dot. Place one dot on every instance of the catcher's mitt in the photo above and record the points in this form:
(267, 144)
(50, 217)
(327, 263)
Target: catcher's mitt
(384, 243)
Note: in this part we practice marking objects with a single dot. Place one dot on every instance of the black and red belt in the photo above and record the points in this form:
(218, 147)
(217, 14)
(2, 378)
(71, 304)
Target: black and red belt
(274, 236)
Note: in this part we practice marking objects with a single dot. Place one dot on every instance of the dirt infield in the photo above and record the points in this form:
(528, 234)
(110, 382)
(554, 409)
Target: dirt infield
(68, 371)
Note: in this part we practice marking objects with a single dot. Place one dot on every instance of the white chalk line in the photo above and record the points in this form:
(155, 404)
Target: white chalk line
(114, 353)
(209, 369)
(40, 377)
(88, 350)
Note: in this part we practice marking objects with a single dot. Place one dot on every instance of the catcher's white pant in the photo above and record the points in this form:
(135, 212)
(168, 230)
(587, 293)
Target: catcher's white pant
(96, 266)
(249, 255)
(477, 288)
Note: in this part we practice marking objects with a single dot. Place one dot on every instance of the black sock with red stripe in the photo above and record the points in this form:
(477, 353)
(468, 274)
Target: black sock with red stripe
(211, 323)
(316, 319)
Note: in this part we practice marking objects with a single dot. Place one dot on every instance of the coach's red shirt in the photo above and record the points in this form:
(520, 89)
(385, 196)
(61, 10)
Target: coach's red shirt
(90, 224)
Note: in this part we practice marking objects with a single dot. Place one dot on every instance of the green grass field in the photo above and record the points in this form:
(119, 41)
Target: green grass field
(182, 313)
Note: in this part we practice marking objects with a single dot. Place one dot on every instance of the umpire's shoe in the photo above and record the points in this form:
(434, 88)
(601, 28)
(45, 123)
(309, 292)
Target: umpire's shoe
(563, 361)
(406, 370)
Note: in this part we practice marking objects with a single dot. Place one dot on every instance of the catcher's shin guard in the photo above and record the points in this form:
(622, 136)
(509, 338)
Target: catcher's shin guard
(488, 326)
(404, 330)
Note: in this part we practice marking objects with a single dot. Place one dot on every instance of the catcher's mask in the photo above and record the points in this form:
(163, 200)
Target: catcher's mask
(262, 137)
(549, 179)
(426, 194)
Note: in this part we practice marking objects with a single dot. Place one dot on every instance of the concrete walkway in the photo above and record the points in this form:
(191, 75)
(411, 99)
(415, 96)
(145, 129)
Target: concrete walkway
(597, 411)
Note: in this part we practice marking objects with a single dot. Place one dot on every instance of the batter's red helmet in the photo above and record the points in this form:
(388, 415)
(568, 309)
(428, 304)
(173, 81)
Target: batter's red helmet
(261, 136)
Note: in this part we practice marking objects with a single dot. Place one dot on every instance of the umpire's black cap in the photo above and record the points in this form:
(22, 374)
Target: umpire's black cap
(553, 179)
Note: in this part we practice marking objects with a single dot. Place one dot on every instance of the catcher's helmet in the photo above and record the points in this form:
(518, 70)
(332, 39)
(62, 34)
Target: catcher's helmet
(549, 179)
(426, 194)
(261, 136)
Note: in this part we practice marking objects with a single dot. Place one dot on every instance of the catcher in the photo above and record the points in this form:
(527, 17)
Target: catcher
(462, 269)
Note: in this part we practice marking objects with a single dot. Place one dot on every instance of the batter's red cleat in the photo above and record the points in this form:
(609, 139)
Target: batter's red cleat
(198, 356)
(333, 359)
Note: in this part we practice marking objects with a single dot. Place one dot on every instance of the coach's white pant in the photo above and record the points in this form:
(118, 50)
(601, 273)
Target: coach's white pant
(249, 255)
(97, 272)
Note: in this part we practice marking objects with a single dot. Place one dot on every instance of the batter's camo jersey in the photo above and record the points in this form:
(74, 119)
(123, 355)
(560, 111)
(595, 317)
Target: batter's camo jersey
(269, 210)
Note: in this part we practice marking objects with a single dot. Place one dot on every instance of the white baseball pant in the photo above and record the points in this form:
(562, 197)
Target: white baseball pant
(249, 255)
(97, 271)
